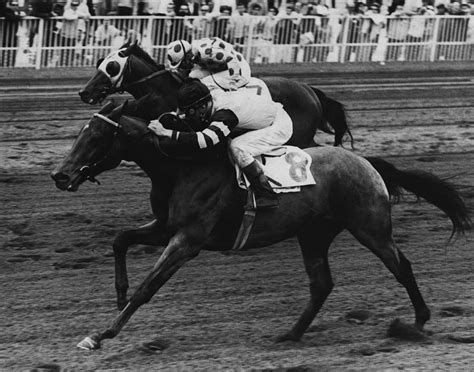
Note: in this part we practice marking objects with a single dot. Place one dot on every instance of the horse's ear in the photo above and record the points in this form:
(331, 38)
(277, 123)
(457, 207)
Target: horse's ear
(99, 62)
(124, 107)
(126, 45)
(128, 49)
(109, 106)
(124, 53)
(119, 110)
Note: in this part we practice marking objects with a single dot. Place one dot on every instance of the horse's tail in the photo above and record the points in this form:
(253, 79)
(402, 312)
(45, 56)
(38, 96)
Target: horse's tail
(335, 114)
(427, 186)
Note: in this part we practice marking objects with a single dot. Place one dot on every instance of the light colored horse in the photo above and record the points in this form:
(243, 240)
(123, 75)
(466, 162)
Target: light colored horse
(198, 205)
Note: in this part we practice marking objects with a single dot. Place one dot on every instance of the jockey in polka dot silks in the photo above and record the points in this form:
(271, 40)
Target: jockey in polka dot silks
(212, 60)
(219, 113)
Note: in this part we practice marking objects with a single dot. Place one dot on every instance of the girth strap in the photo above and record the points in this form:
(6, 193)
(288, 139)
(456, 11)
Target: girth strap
(247, 222)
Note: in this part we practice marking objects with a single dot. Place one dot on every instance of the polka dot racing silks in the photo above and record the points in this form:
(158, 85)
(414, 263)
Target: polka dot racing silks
(227, 66)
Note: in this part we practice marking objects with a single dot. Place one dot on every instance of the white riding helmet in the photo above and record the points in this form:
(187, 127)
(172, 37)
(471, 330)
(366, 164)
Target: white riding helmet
(176, 52)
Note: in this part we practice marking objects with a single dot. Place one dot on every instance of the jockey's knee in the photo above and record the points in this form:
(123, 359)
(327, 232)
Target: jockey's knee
(241, 157)
(284, 125)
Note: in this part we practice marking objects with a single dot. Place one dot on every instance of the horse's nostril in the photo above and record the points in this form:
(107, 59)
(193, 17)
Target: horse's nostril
(60, 177)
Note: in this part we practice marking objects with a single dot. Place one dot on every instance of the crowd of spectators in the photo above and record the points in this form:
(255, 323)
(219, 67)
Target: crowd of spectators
(371, 36)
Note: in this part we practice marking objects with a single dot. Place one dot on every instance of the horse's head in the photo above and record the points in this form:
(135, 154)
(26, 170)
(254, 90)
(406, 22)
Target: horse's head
(121, 70)
(98, 147)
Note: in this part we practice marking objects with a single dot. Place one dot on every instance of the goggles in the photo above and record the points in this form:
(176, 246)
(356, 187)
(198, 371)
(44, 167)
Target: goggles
(196, 106)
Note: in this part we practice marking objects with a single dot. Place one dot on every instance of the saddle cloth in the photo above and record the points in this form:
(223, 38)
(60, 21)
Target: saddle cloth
(287, 169)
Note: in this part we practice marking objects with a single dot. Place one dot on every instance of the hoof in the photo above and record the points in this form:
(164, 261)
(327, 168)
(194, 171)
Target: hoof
(89, 343)
(287, 337)
(121, 305)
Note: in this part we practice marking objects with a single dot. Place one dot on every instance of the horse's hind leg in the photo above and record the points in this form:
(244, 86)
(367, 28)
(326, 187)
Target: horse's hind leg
(315, 239)
(376, 233)
(151, 234)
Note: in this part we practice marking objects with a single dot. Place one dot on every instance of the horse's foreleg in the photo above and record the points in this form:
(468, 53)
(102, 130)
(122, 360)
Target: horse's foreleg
(174, 256)
(151, 234)
(314, 239)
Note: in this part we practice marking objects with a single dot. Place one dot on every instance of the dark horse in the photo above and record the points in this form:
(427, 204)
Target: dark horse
(204, 208)
(132, 70)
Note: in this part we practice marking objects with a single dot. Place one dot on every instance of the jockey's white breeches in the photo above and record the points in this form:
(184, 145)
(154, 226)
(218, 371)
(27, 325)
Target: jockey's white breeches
(260, 141)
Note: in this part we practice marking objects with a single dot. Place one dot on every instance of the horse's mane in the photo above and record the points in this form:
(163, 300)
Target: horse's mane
(137, 51)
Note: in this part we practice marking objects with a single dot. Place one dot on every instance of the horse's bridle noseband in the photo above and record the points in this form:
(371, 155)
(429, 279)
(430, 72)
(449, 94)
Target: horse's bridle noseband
(87, 171)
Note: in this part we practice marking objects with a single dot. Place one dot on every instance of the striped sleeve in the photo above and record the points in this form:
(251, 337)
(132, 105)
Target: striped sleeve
(222, 122)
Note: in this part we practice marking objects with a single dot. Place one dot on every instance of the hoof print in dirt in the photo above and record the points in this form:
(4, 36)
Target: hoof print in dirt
(357, 316)
(50, 367)
(450, 311)
(404, 331)
(387, 349)
(63, 250)
(143, 250)
(27, 257)
(317, 328)
(462, 338)
(79, 263)
(365, 350)
(154, 346)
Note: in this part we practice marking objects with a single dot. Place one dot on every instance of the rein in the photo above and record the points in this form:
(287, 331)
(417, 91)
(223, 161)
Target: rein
(142, 80)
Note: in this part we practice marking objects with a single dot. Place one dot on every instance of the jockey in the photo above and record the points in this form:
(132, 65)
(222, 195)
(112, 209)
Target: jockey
(265, 123)
(211, 60)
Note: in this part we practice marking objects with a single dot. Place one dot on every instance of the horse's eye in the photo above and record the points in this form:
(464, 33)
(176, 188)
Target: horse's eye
(99, 62)
(113, 68)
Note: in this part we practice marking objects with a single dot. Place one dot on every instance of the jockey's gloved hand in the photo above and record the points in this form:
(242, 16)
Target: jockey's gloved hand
(169, 120)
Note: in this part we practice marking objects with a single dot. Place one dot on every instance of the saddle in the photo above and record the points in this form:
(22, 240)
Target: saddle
(286, 167)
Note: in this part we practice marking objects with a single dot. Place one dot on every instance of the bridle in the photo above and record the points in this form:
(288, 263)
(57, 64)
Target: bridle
(120, 88)
(87, 171)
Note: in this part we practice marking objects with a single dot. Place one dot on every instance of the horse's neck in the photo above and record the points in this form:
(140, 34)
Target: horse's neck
(163, 85)
(145, 154)
(139, 90)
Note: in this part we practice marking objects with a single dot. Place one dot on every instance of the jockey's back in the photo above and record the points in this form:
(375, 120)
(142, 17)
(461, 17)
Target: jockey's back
(253, 112)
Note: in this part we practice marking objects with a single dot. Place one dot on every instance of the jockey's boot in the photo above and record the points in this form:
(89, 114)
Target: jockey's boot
(265, 197)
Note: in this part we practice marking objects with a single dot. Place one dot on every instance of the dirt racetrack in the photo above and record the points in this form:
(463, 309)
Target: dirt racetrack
(224, 311)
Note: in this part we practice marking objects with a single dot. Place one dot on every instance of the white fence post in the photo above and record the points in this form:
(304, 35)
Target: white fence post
(39, 50)
(248, 52)
(434, 39)
(345, 33)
